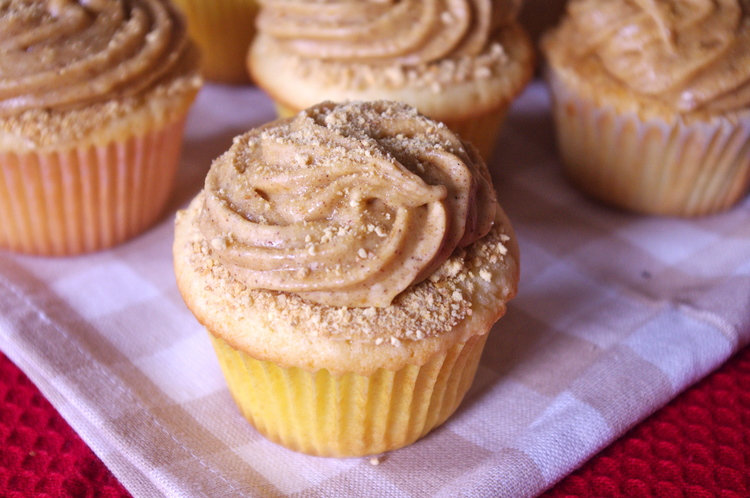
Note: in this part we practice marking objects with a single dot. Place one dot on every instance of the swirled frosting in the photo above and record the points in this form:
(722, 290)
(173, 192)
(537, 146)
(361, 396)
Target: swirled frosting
(406, 32)
(345, 205)
(65, 54)
(688, 54)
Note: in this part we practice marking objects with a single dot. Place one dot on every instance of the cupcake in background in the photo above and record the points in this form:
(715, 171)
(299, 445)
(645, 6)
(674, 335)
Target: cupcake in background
(223, 30)
(651, 101)
(348, 264)
(93, 98)
(461, 63)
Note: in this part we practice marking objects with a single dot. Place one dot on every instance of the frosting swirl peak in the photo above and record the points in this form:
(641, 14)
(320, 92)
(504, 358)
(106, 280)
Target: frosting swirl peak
(407, 32)
(345, 205)
(65, 54)
(690, 54)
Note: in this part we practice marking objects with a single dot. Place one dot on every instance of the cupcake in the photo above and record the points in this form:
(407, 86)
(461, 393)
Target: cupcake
(651, 102)
(461, 62)
(223, 30)
(348, 264)
(93, 98)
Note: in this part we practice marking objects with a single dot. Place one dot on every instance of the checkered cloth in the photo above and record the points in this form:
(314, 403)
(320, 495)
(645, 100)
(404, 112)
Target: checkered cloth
(616, 314)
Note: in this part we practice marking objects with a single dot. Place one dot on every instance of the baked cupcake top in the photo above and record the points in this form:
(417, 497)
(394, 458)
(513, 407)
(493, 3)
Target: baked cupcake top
(369, 206)
(667, 55)
(350, 237)
(58, 57)
(345, 205)
(408, 32)
(393, 46)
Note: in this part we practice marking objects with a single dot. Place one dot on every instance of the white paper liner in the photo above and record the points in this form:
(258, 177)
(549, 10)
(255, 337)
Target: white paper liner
(651, 166)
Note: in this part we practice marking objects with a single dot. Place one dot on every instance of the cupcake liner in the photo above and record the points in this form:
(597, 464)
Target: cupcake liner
(651, 166)
(349, 415)
(223, 31)
(284, 111)
(71, 201)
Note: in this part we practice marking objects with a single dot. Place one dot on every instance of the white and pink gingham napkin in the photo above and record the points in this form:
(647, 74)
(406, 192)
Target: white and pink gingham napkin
(616, 314)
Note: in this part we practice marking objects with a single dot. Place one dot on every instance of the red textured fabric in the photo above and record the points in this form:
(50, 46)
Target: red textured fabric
(698, 446)
(40, 455)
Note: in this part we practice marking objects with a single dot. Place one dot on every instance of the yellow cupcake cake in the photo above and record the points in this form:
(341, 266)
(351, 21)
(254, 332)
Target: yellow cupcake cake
(223, 30)
(93, 98)
(651, 102)
(459, 62)
(348, 264)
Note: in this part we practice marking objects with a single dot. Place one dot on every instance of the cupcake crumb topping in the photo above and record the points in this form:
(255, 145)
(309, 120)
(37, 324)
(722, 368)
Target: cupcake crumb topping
(434, 74)
(74, 70)
(304, 225)
(390, 45)
(345, 204)
(425, 310)
(685, 57)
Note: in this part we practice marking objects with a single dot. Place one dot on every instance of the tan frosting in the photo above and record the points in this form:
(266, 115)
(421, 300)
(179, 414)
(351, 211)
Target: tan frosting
(345, 205)
(384, 31)
(391, 45)
(463, 298)
(70, 75)
(66, 54)
(689, 55)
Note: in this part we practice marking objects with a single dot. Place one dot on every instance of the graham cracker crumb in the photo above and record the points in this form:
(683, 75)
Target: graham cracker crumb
(425, 310)
(434, 75)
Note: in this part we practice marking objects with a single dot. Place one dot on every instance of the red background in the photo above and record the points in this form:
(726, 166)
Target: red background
(697, 446)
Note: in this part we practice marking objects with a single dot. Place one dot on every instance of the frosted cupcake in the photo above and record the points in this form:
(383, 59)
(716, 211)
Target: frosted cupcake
(223, 30)
(652, 102)
(461, 62)
(348, 264)
(93, 97)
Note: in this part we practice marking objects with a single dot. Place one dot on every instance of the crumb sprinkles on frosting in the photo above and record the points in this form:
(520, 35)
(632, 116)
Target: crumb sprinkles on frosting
(382, 198)
(429, 308)
(350, 224)
(392, 45)
(434, 75)
(692, 58)
(69, 68)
